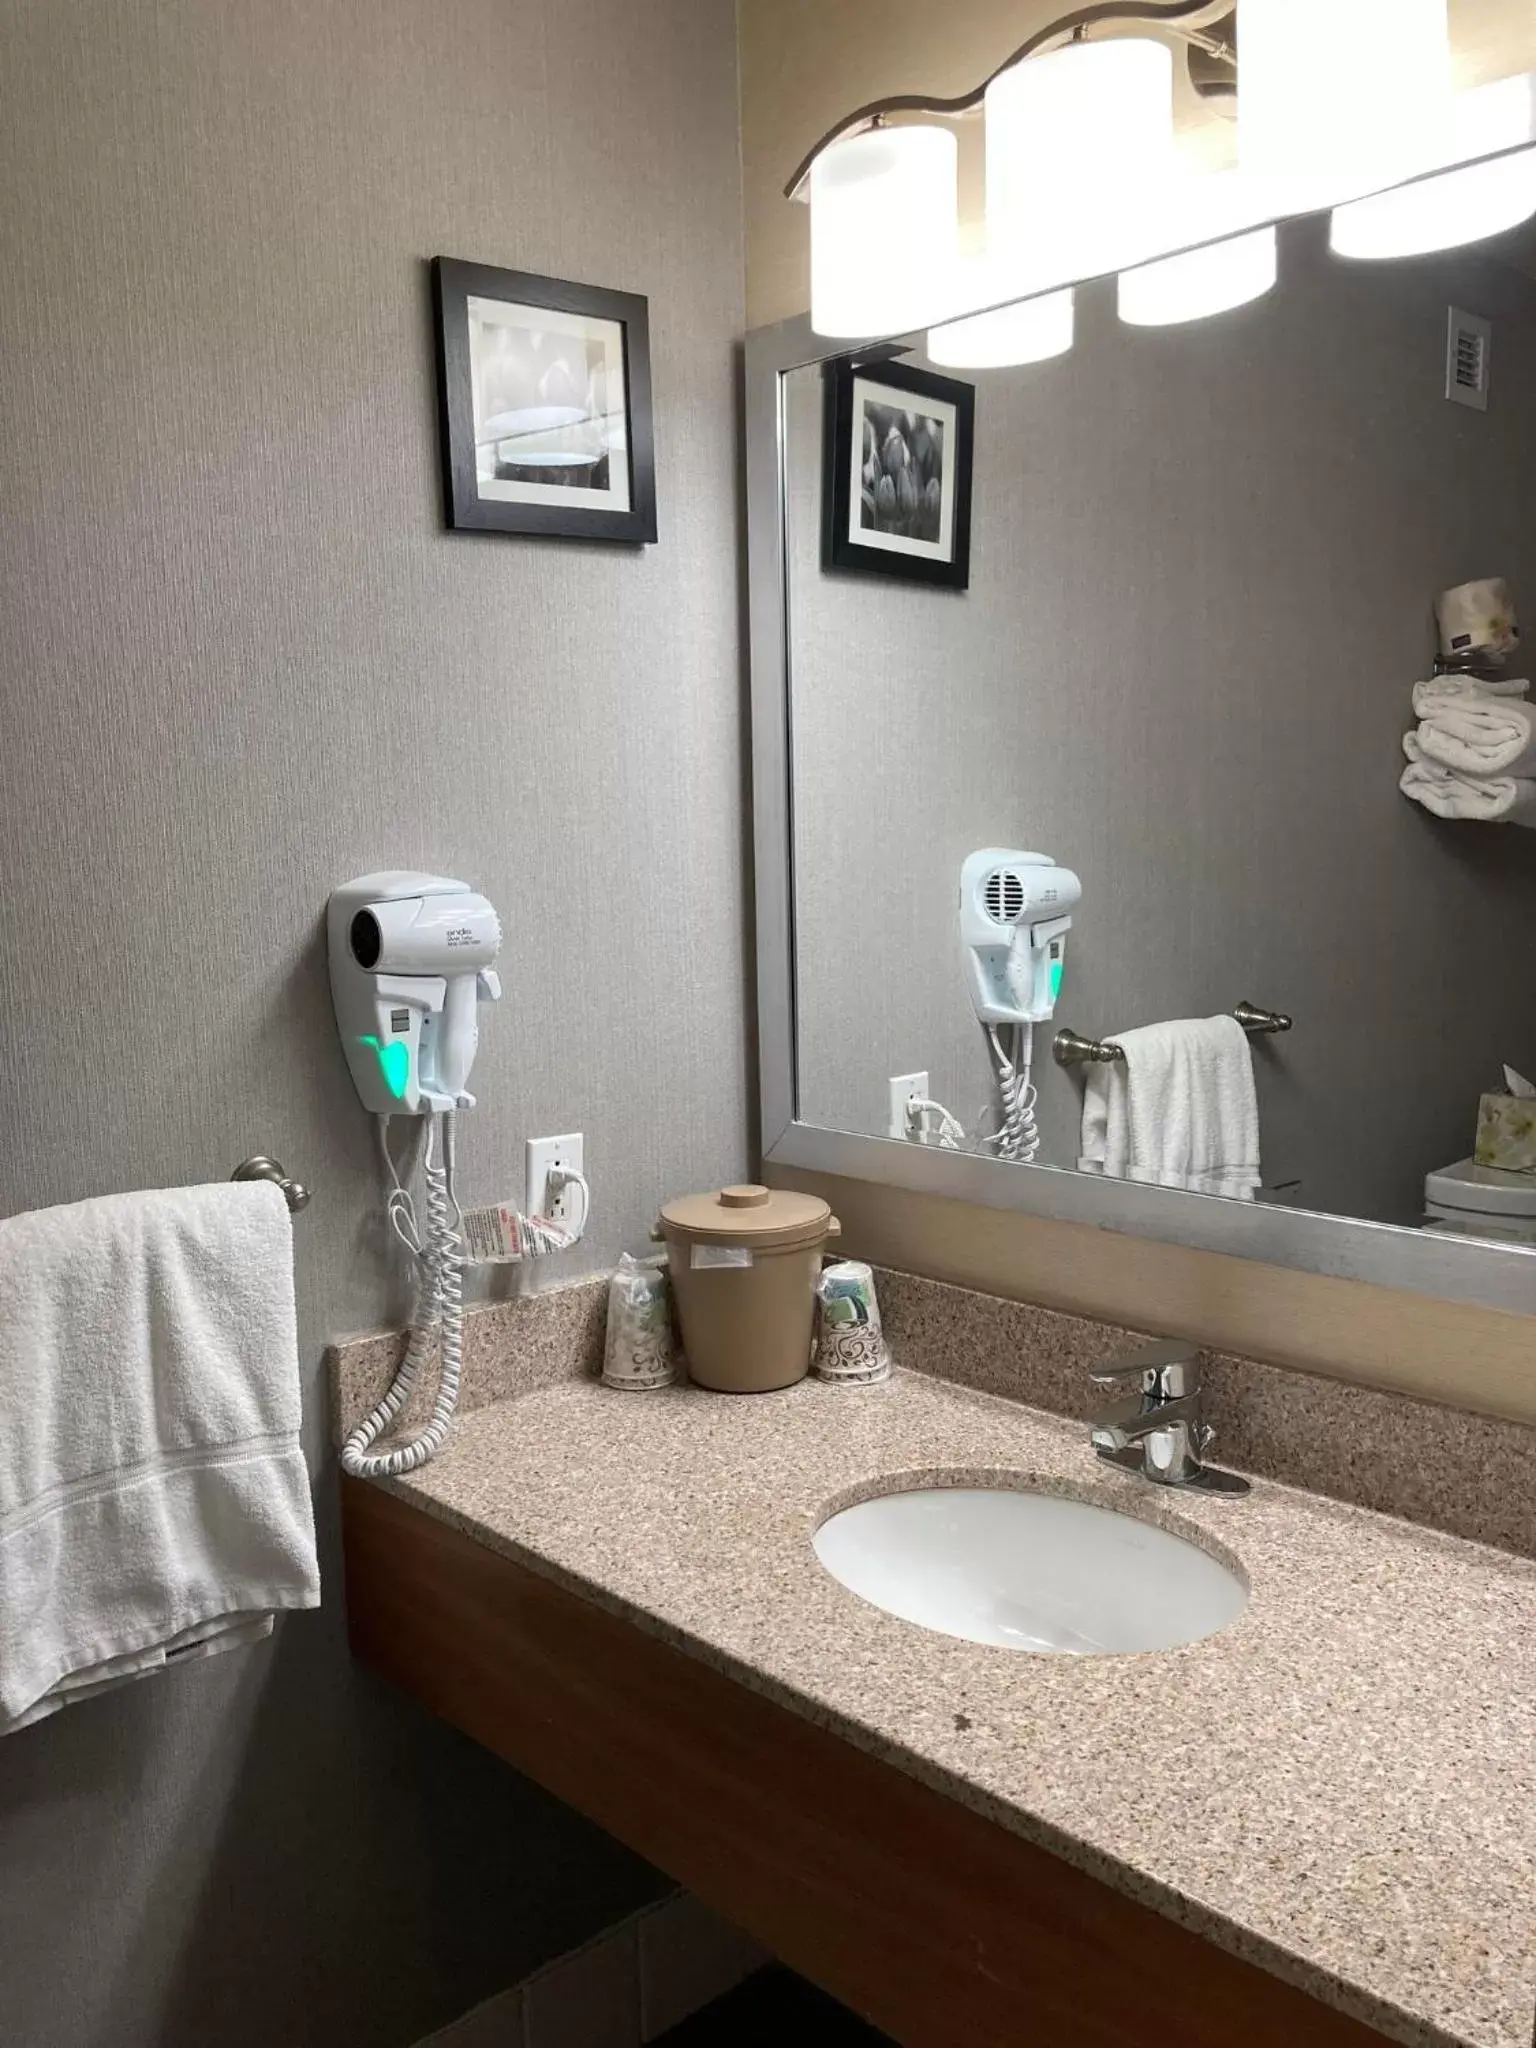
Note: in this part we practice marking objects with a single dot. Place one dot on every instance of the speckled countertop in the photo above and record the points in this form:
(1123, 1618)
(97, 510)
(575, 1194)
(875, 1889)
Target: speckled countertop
(1341, 1786)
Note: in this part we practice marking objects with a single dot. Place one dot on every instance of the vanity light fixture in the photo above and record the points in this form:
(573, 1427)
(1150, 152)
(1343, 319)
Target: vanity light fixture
(1198, 283)
(1371, 113)
(1223, 259)
(1095, 119)
(1337, 100)
(1455, 206)
(884, 229)
(1333, 91)
(1028, 331)
(884, 219)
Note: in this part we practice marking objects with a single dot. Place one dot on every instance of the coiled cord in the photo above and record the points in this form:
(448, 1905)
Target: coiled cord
(438, 1313)
(1018, 1137)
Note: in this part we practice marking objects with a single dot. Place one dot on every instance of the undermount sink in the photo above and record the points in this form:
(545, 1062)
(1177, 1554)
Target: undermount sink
(1028, 1571)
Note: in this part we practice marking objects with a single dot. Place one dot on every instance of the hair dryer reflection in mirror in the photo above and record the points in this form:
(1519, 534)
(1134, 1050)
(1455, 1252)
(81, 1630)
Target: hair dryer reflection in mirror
(1015, 913)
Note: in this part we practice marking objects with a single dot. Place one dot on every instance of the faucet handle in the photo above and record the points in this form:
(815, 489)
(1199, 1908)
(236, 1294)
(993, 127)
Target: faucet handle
(1166, 1369)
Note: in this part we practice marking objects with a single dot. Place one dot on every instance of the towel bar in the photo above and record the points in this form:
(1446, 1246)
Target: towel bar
(295, 1194)
(1073, 1050)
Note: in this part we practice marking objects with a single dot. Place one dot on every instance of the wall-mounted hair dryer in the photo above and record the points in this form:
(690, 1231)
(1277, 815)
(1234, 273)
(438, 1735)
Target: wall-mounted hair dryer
(1014, 919)
(410, 963)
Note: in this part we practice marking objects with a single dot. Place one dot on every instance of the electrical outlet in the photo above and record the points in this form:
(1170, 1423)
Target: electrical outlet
(562, 1205)
(905, 1088)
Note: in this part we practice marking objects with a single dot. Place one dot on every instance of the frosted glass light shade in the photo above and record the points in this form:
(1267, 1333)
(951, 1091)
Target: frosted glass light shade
(1439, 213)
(1459, 205)
(885, 233)
(1031, 332)
(1200, 282)
(1077, 141)
(1340, 89)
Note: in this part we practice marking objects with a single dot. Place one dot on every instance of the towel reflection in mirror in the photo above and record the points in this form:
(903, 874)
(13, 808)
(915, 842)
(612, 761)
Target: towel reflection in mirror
(1179, 1111)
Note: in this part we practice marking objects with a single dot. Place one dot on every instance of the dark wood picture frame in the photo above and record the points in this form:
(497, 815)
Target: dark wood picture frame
(839, 549)
(453, 285)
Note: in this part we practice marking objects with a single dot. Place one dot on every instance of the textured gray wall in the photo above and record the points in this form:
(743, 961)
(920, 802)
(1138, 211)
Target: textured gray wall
(1202, 564)
(241, 662)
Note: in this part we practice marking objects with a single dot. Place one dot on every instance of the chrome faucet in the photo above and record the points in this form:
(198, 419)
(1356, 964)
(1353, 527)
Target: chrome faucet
(1160, 1430)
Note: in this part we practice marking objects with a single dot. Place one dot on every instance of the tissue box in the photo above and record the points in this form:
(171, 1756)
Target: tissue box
(1506, 1133)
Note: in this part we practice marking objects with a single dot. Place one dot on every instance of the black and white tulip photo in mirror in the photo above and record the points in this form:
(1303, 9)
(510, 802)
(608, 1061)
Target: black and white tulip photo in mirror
(896, 486)
(544, 389)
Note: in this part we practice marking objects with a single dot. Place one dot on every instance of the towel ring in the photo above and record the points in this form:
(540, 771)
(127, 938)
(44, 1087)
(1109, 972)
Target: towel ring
(1071, 1049)
(295, 1194)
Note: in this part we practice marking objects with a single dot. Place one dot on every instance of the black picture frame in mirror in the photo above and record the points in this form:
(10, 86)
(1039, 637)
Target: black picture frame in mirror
(898, 444)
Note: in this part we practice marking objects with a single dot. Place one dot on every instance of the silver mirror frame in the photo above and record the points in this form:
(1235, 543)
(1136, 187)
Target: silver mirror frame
(1444, 1267)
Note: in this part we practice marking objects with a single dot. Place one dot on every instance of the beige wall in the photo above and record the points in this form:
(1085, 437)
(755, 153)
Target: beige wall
(243, 662)
(806, 63)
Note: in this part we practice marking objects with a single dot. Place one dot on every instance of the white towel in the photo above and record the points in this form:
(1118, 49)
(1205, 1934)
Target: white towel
(1480, 736)
(1179, 1110)
(1499, 799)
(1435, 691)
(154, 1502)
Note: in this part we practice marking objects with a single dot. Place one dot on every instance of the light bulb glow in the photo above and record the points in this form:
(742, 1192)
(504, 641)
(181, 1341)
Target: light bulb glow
(1441, 212)
(1459, 205)
(1200, 282)
(1030, 332)
(1335, 89)
(1078, 142)
(884, 231)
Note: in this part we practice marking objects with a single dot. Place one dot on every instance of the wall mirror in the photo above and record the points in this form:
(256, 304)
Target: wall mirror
(1200, 569)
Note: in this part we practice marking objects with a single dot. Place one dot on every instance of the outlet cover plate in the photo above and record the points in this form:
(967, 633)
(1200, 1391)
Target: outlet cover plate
(543, 1153)
(904, 1089)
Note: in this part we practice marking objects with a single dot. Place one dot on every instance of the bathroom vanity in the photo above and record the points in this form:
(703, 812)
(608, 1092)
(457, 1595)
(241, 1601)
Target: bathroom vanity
(1121, 744)
(1318, 1823)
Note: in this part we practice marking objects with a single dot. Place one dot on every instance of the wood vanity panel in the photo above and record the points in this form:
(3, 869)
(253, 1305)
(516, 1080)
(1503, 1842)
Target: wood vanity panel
(940, 1926)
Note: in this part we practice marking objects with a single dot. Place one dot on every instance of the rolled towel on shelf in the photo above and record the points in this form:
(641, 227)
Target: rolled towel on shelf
(1435, 691)
(1495, 799)
(1481, 736)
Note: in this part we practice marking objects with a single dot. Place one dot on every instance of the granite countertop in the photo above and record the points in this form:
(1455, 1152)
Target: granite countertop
(1340, 1786)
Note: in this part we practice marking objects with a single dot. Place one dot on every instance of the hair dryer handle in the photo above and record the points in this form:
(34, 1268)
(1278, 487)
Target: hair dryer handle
(458, 1036)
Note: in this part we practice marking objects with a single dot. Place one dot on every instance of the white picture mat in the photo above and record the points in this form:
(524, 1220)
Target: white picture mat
(585, 327)
(868, 390)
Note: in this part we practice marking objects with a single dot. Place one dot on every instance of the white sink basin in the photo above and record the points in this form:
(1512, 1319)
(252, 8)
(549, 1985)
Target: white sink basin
(1028, 1571)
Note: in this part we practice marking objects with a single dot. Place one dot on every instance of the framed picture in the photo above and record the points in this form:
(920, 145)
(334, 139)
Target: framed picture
(896, 482)
(545, 394)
